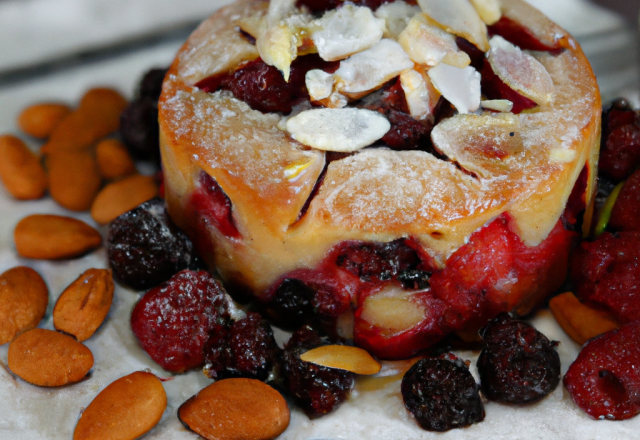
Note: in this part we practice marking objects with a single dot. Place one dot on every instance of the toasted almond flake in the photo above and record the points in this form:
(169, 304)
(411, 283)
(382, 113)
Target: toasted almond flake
(396, 16)
(253, 25)
(521, 71)
(461, 87)
(278, 10)
(418, 92)
(488, 10)
(426, 43)
(458, 17)
(344, 357)
(561, 155)
(319, 84)
(500, 105)
(579, 321)
(370, 69)
(345, 31)
(343, 130)
(277, 47)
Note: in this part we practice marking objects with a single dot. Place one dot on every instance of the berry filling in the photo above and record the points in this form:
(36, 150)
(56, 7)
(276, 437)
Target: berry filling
(521, 36)
(212, 207)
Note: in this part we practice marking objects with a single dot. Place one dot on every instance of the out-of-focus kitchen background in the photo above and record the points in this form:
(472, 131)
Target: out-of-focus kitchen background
(38, 37)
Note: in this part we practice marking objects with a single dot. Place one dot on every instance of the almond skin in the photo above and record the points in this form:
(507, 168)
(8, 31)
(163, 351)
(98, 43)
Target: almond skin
(23, 301)
(97, 116)
(49, 359)
(83, 305)
(20, 170)
(578, 320)
(114, 160)
(119, 197)
(124, 410)
(39, 120)
(54, 237)
(236, 409)
(74, 179)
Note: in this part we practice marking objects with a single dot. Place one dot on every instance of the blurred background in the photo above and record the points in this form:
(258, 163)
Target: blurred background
(38, 37)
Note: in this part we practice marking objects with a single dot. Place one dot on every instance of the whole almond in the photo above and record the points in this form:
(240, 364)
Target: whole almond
(97, 116)
(114, 160)
(344, 357)
(20, 170)
(74, 179)
(119, 197)
(83, 305)
(49, 359)
(53, 237)
(124, 410)
(23, 301)
(39, 120)
(236, 409)
(578, 320)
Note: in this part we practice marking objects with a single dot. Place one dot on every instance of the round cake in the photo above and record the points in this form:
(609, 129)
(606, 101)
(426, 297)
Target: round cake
(396, 172)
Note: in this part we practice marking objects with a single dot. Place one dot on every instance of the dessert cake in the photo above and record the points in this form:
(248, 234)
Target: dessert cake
(396, 171)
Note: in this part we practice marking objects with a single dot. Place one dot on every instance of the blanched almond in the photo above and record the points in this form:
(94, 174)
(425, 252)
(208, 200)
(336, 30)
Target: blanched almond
(52, 237)
(83, 305)
(74, 179)
(23, 301)
(236, 409)
(578, 320)
(344, 357)
(96, 117)
(458, 17)
(114, 161)
(119, 197)
(48, 358)
(124, 410)
(20, 170)
(39, 120)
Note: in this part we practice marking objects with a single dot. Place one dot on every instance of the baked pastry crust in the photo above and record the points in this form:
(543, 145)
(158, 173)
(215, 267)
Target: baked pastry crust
(377, 194)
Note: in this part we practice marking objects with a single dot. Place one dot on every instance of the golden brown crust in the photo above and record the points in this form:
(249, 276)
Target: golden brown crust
(376, 194)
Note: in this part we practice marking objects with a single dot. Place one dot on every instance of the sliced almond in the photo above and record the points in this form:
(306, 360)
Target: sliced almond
(420, 94)
(343, 130)
(236, 409)
(39, 120)
(428, 44)
(499, 105)
(83, 305)
(114, 160)
(345, 31)
(578, 320)
(458, 17)
(48, 359)
(53, 237)
(344, 357)
(126, 409)
(277, 47)
(461, 87)
(21, 171)
(370, 69)
(521, 71)
(488, 10)
(119, 197)
(396, 16)
(319, 84)
(393, 309)
(23, 301)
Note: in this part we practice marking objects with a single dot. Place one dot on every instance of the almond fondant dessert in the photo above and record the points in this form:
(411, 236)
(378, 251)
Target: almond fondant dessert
(395, 171)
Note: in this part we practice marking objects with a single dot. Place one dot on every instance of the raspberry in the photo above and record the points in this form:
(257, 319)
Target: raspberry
(442, 394)
(518, 363)
(244, 348)
(607, 274)
(620, 151)
(145, 248)
(315, 389)
(173, 321)
(604, 381)
(625, 215)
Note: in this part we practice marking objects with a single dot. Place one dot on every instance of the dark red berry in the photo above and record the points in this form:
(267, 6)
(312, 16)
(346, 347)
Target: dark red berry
(606, 273)
(604, 381)
(620, 143)
(145, 248)
(151, 84)
(292, 304)
(244, 348)
(625, 215)
(442, 394)
(317, 6)
(494, 88)
(139, 129)
(476, 55)
(212, 206)
(173, 321)
(521, 36)
(518, 363)
(315, 389)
